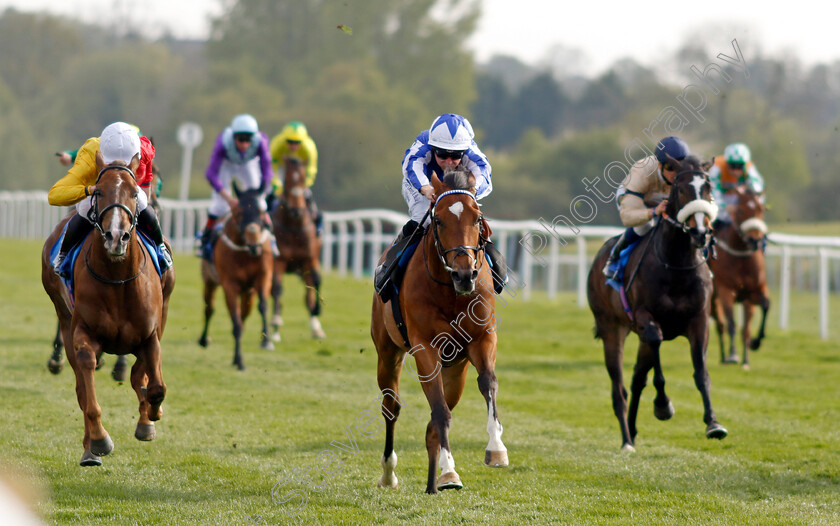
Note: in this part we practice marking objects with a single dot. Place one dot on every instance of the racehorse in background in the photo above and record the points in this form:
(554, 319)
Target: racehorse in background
(299, 248)
(242, 265)
(740, 275)
(119, 306)
(447, 303)
(668, 295)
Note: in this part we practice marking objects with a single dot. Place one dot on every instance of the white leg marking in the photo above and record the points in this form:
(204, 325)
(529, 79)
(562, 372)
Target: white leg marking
(389, 479)
(494, 429)
(445, 461)
(317, 331)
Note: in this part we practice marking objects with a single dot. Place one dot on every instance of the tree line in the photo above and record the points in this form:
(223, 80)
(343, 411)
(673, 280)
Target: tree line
(367, 77)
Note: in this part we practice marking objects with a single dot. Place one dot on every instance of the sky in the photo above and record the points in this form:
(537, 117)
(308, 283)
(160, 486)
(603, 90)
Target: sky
(528, 29)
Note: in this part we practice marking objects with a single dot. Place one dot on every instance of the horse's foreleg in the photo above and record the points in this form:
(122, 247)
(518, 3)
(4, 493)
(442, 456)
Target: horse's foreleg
(209, 300)
(720, 324)
(56, 362)
(312, 279)
(437, 431)
(745, 332)
(388, 375)
(156, 389)
(277, 296)
(145, 429)
(232, 300)
(495, 454)
(698, 335)
(729, 316)
(663, 409)
(765, 307)
(96, 442)
(613, 358)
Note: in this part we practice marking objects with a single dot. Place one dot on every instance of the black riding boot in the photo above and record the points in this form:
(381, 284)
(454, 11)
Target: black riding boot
(77, 228)
(627, 238)
(383, 272)
(317, 216)
(148, 221)
(499, 266)
(204, 247)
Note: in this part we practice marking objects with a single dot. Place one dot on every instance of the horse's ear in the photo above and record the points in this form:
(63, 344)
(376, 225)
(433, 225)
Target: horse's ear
(236, 191)
(437, 185)
(706, 165)
(135, 164)
(100, 162)
(471, 182)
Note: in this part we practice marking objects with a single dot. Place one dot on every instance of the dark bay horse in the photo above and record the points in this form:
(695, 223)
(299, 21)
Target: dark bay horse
(299, 247)
(242, 265)
(669, 295)
(448, 305)
(739, 274)
(120, 306)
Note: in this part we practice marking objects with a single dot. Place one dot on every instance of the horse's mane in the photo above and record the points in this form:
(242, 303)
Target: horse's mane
(459, 178)
(693, 163)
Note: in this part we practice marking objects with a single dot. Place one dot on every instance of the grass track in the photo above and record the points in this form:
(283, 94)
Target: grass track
(227, 438)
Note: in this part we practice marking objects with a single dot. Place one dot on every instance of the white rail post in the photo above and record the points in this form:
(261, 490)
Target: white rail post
(343, 241)
(823, 293)
(359, 247)
(784, 301)
(582, 268)
(327, 245)
(553, 267)
(526, 269)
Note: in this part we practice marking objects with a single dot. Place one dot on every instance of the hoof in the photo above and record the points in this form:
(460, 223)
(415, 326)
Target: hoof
(715, 430)
(746, 367)
(628, 448)
(89, 459)
(266, 345)
(277, 320)
(755, 345)
(275, 337)
(145, 432)
(663, 413)
(102, 446)
(118, 374)
(496, 459)
(204, 342)
(320, 335)
(388, 484)
(54, 366)
(732, 358)
(449, 480)
(100, 362)
(317, 331)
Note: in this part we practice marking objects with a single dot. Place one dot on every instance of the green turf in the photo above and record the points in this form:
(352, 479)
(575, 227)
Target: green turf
(228, 437)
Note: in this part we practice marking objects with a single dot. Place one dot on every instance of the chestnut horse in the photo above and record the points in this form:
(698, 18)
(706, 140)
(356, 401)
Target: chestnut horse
(56, 361)
(739, 274)
(242, 262)
(448, 306)
(120, 306)
(669, 294)
(299, 248)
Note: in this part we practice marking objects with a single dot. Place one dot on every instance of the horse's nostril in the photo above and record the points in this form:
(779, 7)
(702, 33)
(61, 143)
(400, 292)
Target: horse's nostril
(125, 237)
(109, 236)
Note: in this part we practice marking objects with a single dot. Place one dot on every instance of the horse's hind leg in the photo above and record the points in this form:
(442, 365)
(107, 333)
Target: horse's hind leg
(118, 373)
(745, 333)
(312, 279)
(613, 338)
(145, 429)
(644, 363)
(388, 376)
(209, 299)
(729, 316)
(765, 307)
(56, 362)
(263, 292)
(277, 296)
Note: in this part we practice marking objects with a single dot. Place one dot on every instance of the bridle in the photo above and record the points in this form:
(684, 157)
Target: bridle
(698, 205)
(460, 249)
(95, 216)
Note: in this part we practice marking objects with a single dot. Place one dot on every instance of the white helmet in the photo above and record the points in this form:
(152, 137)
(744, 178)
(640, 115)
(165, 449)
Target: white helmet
(244, 123)
(119, 142)
(737, 153)
(451, 132)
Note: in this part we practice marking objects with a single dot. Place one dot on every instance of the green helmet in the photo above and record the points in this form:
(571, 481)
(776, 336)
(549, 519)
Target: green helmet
(295, 131)
(737, 153)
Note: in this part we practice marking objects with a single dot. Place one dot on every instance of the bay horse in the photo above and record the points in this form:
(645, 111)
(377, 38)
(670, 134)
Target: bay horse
(740, 275)
(120, 306)
(669, 294)
(242, 265)
(299, 248)
(448, 306)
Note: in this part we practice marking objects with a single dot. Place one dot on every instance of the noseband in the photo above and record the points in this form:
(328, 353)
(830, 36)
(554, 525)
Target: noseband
(460, 249)
(95, 216)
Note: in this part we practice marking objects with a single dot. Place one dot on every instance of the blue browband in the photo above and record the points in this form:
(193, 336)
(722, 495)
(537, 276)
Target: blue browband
(450, 192)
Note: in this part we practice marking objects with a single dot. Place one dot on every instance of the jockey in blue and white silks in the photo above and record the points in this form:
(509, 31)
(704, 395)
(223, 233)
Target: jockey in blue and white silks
(450, 134)
(448, 143)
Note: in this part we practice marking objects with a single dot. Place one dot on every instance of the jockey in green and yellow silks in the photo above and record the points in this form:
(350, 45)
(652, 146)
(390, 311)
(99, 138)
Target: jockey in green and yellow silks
(294, 141)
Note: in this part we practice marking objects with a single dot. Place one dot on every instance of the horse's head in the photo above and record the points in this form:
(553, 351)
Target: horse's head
(114, 204)
(690, 201)
(247, 215)
(456, 226)
(749, 217)
(294, 187)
